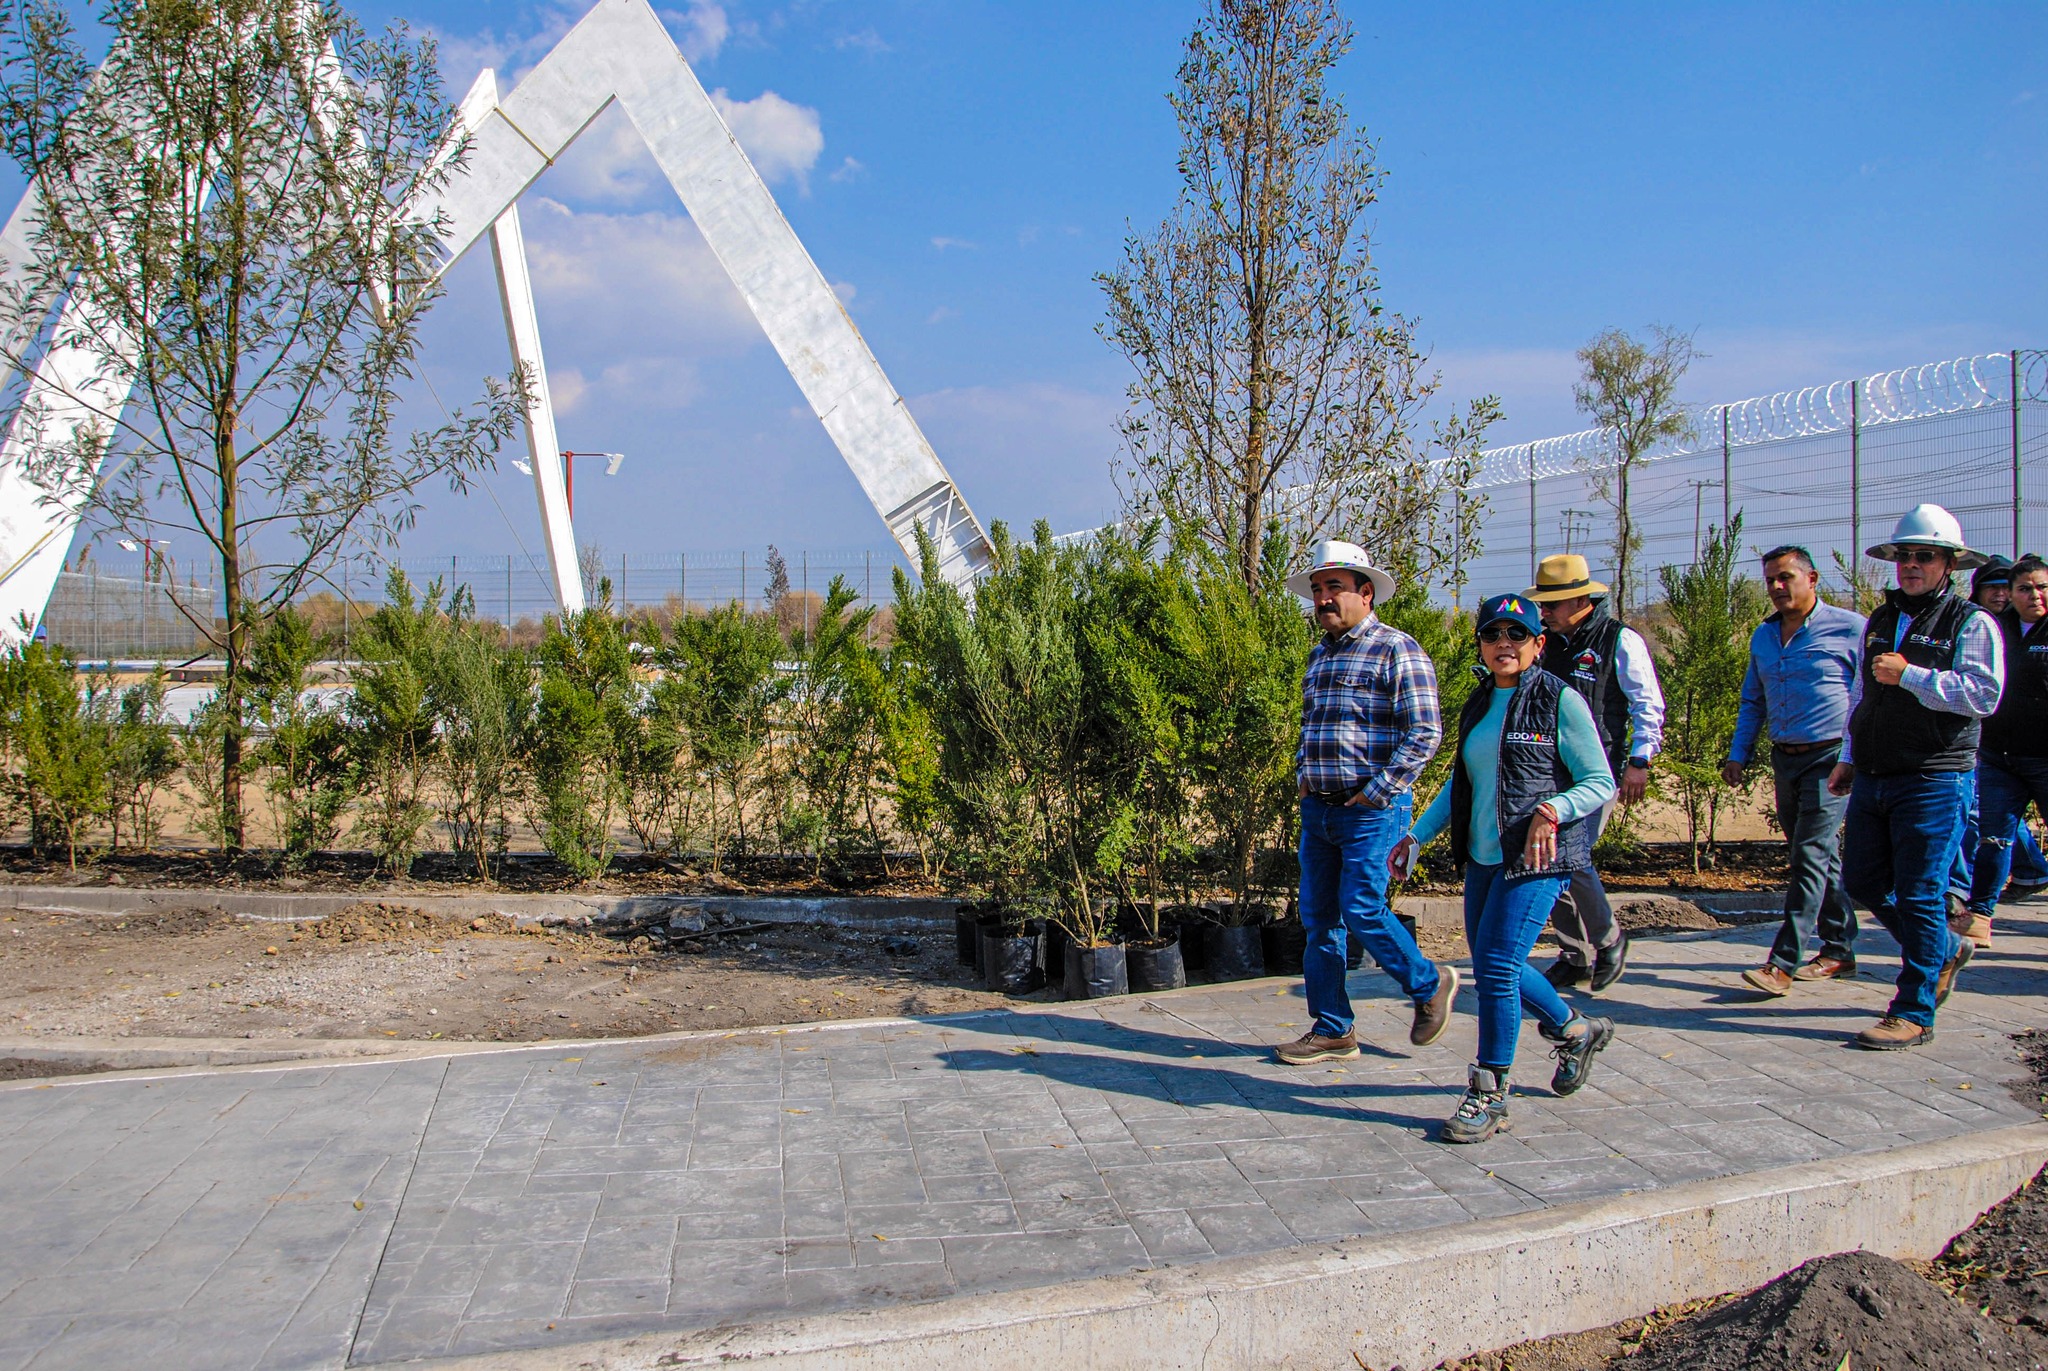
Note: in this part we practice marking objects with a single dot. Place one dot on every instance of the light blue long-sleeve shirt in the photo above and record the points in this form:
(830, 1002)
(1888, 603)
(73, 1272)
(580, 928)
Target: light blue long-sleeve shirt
(1592, 783)
(1798, 692)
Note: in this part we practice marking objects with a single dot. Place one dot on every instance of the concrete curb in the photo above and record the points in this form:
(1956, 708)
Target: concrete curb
(1411, 1300)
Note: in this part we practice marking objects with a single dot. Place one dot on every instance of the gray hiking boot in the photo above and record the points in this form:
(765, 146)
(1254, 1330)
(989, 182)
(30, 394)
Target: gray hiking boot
(1484, 1110)
(1575, 1051)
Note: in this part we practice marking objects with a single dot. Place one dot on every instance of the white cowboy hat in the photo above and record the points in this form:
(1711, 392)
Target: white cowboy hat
(1346, 557)
(1928, 526)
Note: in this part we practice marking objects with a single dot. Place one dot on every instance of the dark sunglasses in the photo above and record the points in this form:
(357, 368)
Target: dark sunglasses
(1514, 633)
(1922, 555)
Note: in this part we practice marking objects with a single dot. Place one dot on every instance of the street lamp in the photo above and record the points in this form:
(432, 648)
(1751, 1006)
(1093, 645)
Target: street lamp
(611, 468)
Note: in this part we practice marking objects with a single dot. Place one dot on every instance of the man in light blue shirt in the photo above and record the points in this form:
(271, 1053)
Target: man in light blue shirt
(1803, 662)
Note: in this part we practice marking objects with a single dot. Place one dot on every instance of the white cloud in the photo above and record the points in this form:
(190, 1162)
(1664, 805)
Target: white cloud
(939, 315)
(845, 290)
(632, 305)
(866, 42)
(852, 169)
(783, 138)
(610, 163)
(699, 30)
(943, 243)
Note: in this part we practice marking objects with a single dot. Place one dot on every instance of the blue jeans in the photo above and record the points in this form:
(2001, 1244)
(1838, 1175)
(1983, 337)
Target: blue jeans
(1817, 910)
(1962, 873)
(2006, 785)
(1344, 851)
(2029, 867)
(1897, 848)
(1502, 920)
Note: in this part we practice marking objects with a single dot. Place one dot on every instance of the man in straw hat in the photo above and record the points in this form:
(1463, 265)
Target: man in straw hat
(1369, 724)
(1933, 666)
(1609, 663)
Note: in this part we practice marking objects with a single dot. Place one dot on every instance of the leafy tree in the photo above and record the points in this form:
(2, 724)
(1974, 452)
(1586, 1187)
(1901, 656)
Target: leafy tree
(225, 199)
(142, 753)
(390, 713)
(1714, 609)
(1629, 386)
(482, 698)
(584, 710)
(1242, 655)
(304, 747)
(833, 738)
(721, 669)
(1273, 382)
(61, 758)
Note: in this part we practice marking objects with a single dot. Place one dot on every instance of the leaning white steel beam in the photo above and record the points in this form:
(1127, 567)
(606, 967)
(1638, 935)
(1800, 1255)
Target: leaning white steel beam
(621, 51)
(522, 331)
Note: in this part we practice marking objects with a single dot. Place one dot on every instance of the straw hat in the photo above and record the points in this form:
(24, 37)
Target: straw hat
(1563, 576)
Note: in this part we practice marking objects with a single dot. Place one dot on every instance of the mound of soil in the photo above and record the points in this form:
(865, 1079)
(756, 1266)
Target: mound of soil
(1853, 1309)
(374, 922)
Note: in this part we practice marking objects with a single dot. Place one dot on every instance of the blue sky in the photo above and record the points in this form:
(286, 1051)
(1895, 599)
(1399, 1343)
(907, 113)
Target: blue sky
(1819, 190)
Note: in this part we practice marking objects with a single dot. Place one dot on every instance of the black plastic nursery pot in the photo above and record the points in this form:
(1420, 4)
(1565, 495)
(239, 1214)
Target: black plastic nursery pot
(1009, 954)
(1096, 973)
(1283, 943)
(1057, 941)
(1190, 921)
(1235, 954)
(1157, 964)
(964, 933)
(984, 928)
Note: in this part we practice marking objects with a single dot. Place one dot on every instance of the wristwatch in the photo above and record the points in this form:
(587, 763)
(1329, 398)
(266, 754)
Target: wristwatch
(1640, 763)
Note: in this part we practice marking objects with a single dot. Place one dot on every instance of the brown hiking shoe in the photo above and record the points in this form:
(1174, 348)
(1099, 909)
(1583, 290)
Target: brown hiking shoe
(1890, 1034)
(1825, 969)
(1770, 978)
(1314, 1047)
(1960, 958)
(1433, 1015)
(1978, 930)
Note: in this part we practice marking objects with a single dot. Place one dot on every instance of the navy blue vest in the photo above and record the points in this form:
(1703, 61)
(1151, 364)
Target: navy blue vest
(2020, 727)
(1532, 770)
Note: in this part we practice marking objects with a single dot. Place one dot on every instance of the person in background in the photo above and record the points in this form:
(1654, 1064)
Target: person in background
(1991, 588)
(1933, 666)
(1369, 724)
(2012, 758)
(1610, 665)
(1531, 775)
(1803, 661)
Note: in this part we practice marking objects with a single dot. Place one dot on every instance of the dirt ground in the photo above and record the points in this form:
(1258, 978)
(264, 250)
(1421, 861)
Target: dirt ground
(1983, 1303)
(384, 969)
(391, 971)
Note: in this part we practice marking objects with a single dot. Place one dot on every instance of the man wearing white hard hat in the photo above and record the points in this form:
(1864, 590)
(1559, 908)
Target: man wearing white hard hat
(1369, 724)
(1933, 666)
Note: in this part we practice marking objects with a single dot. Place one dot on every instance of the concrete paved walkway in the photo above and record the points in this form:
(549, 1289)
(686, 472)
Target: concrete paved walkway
(376, 1212)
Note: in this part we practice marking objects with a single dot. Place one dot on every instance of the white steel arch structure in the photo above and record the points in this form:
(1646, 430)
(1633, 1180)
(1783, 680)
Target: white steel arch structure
(618, 52)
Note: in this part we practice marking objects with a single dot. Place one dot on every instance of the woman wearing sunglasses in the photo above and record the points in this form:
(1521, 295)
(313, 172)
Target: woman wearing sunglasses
(1530, 771)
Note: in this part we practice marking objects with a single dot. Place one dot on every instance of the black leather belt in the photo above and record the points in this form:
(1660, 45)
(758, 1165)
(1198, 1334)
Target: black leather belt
(1339, 797)
(1801, 749)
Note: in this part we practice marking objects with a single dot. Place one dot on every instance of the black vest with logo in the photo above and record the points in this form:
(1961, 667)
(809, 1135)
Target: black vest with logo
(2020, 727)
(1893, 733)
(1532, 770)
(1585, 658)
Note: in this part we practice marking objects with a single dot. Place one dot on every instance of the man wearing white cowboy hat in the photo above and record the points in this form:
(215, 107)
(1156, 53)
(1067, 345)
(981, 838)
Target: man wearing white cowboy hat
(1369, 724)
(1933, 666)
(1609, 663)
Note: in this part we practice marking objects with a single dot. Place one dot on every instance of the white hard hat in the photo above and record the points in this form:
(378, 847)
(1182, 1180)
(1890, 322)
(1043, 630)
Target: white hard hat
(1928, 526)
(1347, 557)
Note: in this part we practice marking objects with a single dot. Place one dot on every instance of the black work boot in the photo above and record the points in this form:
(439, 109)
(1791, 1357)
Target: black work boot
(1563, 974)
(1484, 1110)
(1608, 964)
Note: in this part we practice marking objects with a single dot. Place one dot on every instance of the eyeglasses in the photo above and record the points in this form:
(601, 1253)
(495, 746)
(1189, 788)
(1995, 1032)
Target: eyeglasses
(1514, 633)
(1922, 555)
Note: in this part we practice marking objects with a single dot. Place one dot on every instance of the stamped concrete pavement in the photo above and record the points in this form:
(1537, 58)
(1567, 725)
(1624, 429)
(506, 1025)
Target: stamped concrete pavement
(361, 1214)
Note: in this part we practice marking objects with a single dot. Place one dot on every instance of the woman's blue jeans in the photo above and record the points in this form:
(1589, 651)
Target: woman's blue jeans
(2006, 785)
(1502, 920)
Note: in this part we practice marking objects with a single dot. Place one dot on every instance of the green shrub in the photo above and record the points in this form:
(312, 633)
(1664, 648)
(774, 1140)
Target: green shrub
(303, 744)
(721, 686)
(392, 736)
(572, 747)
(61, 763)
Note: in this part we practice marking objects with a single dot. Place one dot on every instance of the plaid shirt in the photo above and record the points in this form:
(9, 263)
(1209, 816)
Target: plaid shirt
(1369, 714)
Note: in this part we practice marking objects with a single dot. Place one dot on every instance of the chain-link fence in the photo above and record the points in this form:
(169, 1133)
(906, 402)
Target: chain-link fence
(98, 616)
(1830, 467)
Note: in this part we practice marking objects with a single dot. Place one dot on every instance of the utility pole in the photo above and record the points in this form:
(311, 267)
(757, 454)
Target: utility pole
(1699, 488)
(2019, 498)
(1855, 483)
(1727, 475)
